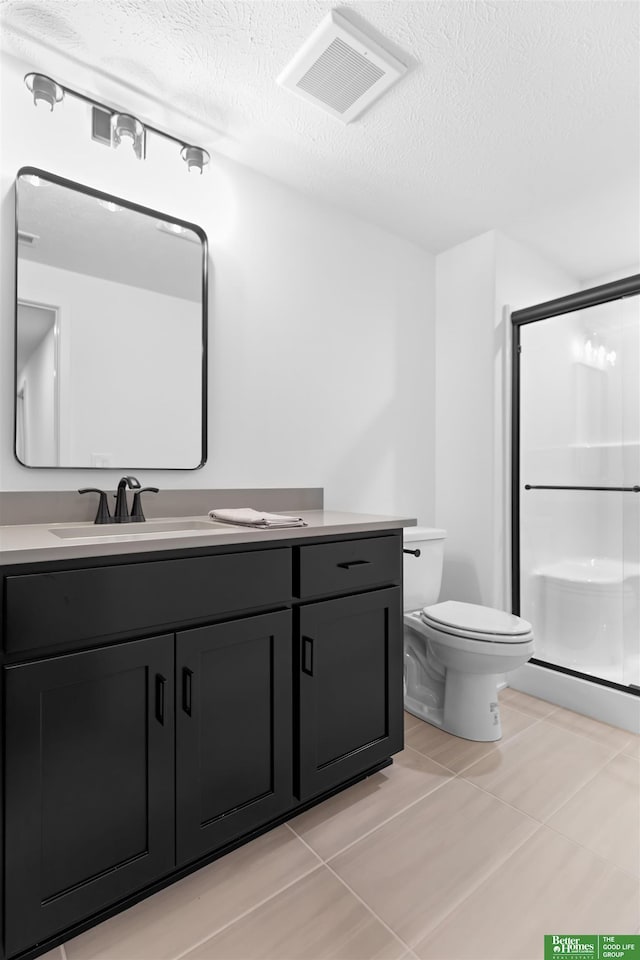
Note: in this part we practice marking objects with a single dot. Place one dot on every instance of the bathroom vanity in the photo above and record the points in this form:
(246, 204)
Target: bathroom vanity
(168, 698)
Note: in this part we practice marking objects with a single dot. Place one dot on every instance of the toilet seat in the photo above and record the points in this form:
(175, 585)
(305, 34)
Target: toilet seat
(473, 622)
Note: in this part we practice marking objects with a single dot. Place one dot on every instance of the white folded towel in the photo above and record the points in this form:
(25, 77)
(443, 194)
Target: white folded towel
(247, 517)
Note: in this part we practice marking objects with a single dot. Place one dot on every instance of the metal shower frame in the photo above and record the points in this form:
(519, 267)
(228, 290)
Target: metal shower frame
(605, 293)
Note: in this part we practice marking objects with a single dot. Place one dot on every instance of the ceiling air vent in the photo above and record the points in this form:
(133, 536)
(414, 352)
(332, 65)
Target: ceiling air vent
(340, 69)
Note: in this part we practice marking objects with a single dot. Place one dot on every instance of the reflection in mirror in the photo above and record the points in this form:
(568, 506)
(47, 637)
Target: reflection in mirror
(110, 331)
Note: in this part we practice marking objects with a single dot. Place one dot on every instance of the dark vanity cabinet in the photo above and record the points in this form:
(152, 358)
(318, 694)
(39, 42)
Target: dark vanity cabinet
(233, 731)
(160, 709)
(350, 658)
(89, 774)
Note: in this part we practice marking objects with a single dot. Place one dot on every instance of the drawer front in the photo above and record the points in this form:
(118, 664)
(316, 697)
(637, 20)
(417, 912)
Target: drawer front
(74, 606)
(332, 568)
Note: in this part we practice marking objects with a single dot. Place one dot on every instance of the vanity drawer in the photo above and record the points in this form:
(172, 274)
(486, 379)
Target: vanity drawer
(46, 609)
(334, 568)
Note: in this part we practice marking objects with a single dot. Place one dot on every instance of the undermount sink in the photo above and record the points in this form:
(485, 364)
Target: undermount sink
(127, 531)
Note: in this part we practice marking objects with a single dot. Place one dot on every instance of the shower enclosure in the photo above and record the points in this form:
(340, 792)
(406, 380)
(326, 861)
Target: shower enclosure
(576, 481)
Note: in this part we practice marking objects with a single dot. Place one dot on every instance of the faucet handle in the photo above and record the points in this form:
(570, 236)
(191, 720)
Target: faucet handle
(137, 516)
(103, 515)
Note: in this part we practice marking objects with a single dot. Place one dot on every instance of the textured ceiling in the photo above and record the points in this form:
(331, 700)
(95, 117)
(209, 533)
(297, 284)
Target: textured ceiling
(510, 110)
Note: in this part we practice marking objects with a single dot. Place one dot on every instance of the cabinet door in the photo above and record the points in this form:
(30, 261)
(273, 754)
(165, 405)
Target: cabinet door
(349, 668)
(89, 783)
(233, 730)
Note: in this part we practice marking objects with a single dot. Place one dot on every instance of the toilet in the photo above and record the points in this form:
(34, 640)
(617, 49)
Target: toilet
(455, 653)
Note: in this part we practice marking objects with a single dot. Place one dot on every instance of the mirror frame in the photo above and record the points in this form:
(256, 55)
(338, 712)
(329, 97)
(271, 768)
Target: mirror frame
(148, 211)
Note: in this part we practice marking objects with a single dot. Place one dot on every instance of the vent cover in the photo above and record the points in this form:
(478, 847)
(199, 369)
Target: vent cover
(340, 69)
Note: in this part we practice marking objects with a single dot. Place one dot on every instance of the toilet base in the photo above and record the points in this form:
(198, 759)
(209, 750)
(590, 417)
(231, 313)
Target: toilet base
(462, 703)
(432, 715)
(477, 718)
(471, 708)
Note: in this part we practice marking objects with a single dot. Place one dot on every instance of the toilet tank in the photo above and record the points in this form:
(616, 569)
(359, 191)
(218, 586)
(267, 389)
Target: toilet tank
(423, 574)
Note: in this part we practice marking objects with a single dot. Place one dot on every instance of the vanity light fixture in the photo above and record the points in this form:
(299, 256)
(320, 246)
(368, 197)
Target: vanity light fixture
(195, 158)
(123, 125)
(44, 89)
(110, 126)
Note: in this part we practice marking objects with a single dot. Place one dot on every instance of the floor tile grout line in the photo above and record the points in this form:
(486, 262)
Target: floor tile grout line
(511, 806)
(501, 863)
(585, 736)
(460, 774)
(558, 707)
(304, 842)
(450, 769)
(536, 723)
(416, 721)
(424, 757)
(626, 756)
(510, 739)
(526, 713)
(403, 943)
(600, 856)
(245, 913)
(585, 783)
(382, 823)
(592, 776)
(485, 878)
(480, 882)
(626, 747)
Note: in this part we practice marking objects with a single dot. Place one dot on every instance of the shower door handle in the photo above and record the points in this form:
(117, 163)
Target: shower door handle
(634, 489)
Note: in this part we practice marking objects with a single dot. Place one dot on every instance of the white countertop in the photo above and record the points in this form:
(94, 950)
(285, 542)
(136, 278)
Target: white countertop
(37, 542)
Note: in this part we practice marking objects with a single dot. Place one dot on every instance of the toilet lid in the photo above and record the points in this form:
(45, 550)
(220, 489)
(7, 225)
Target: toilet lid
(471, 618)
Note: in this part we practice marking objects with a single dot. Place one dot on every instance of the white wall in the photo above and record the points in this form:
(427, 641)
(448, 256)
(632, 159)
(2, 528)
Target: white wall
(630, 270)
(475, 281)
(465, 291)
(321, 326)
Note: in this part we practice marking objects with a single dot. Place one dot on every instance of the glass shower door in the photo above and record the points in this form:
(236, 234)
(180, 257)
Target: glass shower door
(579, 489)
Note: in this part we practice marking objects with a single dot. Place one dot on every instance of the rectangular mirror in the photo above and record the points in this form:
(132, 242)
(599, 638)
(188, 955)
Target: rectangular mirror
(111, 331)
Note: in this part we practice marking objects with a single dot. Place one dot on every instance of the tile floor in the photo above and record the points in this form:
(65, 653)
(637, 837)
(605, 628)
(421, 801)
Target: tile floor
(459, 851)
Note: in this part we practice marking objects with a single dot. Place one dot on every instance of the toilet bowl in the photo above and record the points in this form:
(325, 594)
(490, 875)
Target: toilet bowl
(455, 653)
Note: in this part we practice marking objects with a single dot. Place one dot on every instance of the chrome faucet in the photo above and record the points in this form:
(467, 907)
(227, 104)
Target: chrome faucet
(122, 510)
